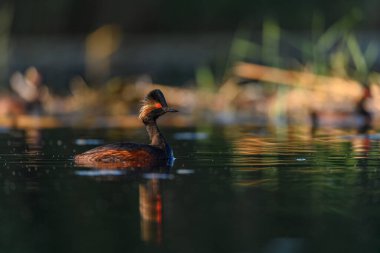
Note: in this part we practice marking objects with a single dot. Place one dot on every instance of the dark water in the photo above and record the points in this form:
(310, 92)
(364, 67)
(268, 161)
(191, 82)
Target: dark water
(230, 190)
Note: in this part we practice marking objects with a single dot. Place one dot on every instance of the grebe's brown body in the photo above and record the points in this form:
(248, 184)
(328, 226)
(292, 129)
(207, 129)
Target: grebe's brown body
(132, 155)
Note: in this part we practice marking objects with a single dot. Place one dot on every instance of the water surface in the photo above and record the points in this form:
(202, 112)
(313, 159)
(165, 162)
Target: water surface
(232, 189)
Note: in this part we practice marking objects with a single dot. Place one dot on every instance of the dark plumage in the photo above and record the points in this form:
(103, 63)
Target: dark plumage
(366, 117)
(132, 155)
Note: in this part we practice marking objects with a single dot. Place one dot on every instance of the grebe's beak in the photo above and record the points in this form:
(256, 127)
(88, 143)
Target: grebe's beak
(168, 109)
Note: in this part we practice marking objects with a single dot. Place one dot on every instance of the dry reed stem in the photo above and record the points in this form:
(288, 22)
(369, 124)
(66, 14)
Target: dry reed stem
(332, 85)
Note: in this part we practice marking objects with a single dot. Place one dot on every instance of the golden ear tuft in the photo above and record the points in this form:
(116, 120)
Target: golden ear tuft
(153, 100)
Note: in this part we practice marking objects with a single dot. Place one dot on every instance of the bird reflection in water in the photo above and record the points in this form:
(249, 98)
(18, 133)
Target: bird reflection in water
(150, 202)
(361, 146)
(33, 139)
(150, 196)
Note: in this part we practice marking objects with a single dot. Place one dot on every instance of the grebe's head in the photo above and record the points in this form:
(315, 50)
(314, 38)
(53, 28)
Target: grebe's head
(153, 106)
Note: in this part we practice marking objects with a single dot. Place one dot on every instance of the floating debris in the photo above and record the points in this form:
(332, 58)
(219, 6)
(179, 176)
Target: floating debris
(185, 171)
(97, 173)
(83, 142)
(190, 136)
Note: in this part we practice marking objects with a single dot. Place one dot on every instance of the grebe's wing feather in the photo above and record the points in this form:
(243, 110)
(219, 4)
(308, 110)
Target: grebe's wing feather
(115, 146)
(119, 152)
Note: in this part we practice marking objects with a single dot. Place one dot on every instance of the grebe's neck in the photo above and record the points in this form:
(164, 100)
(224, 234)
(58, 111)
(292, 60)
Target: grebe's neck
(157, 139)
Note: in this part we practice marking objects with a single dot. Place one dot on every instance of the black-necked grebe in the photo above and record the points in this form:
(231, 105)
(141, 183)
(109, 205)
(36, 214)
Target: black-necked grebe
(365, 116)
(132, 155)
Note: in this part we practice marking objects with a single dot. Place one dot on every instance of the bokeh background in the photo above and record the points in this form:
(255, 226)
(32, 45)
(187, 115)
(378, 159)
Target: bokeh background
(91, 59)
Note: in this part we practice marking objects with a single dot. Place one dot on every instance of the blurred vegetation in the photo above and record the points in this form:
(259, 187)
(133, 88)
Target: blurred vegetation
(292, 36)
(327, 50)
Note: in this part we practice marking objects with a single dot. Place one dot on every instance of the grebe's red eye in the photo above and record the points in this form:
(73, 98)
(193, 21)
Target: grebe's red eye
(158, 105)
